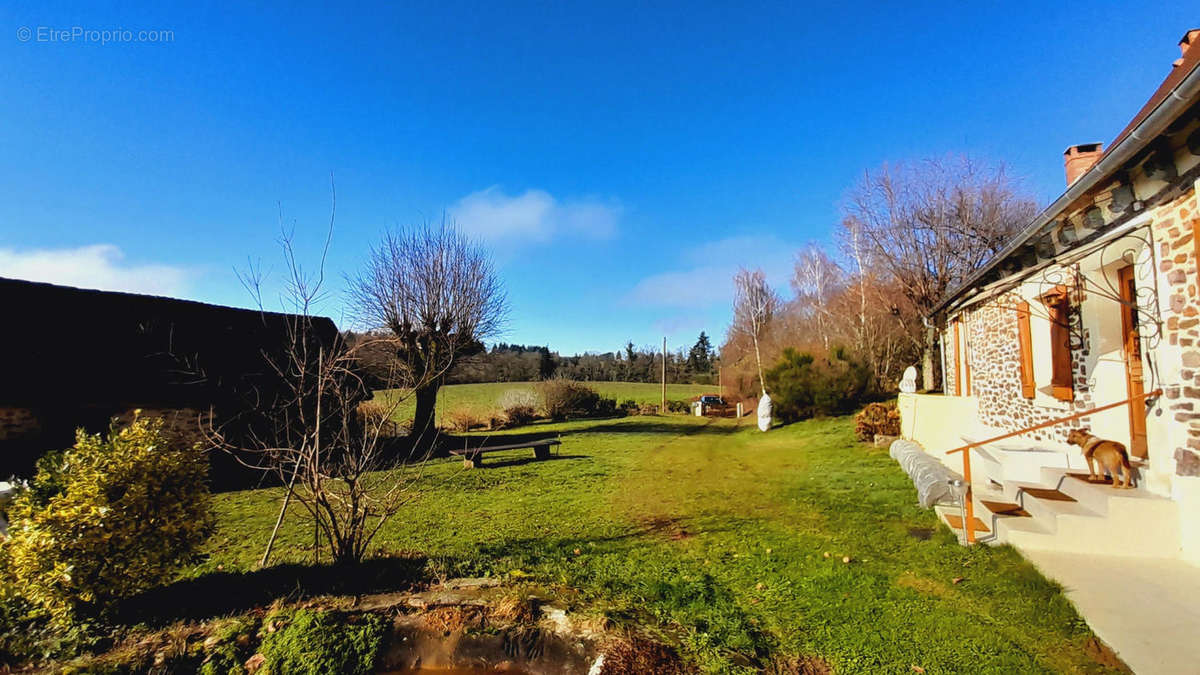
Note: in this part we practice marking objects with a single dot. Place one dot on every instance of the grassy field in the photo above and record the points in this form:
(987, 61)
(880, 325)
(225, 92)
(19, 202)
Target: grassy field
(483, 397)
(728, 541)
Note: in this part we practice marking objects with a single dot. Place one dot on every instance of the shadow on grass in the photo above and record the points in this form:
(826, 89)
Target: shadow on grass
(223, 593)
(664, 428)
(492, 461)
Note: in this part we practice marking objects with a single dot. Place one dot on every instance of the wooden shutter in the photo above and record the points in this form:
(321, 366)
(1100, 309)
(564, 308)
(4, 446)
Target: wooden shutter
(1026, 345)
(966, 347)
(1059, 309)
(957, 361)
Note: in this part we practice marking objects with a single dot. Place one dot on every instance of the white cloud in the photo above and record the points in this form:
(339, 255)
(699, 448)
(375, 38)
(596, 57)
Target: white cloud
(534, 216)
(99, 266)
(706, 277)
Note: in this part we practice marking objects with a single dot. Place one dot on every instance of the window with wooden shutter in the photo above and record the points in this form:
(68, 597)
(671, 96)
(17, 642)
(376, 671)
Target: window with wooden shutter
(1025, 341)
(1058, 310)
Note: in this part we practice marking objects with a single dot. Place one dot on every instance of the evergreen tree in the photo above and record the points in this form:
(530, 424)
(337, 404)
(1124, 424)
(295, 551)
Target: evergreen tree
(699, 359)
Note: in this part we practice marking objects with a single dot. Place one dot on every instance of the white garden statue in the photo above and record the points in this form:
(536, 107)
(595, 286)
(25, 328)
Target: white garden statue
(908, 383)
(764, 412)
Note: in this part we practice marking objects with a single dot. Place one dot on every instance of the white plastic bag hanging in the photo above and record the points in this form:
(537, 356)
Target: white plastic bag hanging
(764, 413)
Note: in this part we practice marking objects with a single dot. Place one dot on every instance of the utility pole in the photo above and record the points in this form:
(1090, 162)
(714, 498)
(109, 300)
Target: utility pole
(663, 409)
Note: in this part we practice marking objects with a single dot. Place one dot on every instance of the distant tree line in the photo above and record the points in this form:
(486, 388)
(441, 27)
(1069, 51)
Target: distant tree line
(505, 362)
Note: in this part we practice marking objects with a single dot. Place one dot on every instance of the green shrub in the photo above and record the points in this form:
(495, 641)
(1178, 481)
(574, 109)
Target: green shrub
(105, 519)
(877, 418)
(679, 407)
(605, 407)
(802, 386)
(307, 642)
(564, 399)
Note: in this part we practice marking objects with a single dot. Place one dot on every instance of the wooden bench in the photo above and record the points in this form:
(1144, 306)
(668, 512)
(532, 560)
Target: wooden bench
(473, 457)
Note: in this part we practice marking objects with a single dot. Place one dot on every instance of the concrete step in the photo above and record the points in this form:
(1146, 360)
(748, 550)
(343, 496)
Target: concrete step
(1098, 520)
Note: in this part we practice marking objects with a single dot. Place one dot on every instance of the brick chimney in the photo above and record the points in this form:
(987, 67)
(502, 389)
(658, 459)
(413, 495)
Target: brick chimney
(1079, 158)
(1189, 39)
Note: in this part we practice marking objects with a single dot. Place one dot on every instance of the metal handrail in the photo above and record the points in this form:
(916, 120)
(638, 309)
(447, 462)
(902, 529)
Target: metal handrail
(969, 521)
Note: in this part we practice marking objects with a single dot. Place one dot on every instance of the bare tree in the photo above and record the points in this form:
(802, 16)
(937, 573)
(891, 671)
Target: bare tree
(816, 278)
(311, 429)
(437, 293)
(754, 307)
(930, 224)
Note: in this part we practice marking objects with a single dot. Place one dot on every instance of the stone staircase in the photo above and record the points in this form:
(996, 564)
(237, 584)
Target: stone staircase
(1063, 512)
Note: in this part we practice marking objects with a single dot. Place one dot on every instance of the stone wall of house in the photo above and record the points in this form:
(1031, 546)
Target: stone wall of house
(1175, 234)
(995, 364)
(17, 423)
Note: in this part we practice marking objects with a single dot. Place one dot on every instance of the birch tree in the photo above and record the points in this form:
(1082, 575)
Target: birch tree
(754, 307)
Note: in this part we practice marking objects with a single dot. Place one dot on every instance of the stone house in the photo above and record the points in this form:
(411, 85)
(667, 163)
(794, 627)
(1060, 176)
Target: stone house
(76, 358)
(1096, 302)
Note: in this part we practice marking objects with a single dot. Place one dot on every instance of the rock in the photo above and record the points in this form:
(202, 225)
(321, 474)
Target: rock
(472, 582)
(254, 663)
(446, 598)
(884, 440)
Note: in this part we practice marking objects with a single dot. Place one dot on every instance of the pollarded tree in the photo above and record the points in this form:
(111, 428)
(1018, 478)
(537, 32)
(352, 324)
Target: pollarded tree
(437, 293)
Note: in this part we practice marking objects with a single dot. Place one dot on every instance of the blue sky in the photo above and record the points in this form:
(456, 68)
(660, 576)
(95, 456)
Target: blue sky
(621, 159)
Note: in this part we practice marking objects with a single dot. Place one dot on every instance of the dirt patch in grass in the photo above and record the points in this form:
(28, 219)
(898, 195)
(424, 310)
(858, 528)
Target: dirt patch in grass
(1104, 655)
(922, 533)
(671, 528)
(799, 665)
(636, 655)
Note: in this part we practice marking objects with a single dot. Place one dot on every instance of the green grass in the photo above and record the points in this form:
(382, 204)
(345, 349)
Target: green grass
(716, 534)
(483, 397)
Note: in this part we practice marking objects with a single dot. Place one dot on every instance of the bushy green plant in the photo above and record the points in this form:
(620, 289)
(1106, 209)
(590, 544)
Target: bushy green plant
(564, 399)
(307, 642)
(106, 519)
(802, 385)
(877, 418)
(676, 406)
(605, 407)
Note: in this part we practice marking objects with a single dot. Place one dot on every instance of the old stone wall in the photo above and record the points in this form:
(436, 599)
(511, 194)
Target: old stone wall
(990, 330)
(1175, 234)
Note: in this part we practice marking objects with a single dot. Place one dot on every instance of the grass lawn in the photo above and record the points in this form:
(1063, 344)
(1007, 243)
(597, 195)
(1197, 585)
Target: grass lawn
(483, 397)
(716, 536)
